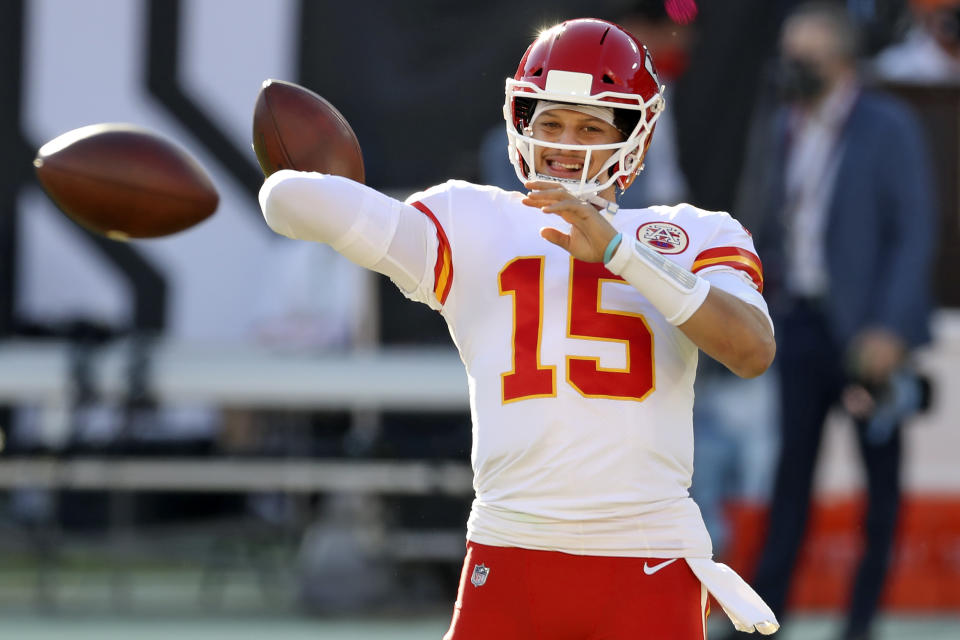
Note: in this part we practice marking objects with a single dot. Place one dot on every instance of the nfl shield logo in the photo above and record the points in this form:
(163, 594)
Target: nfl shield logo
(480, 573)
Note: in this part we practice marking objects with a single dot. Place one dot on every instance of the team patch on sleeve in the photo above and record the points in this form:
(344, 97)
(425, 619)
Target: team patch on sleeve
(734, 257)
(443, 269)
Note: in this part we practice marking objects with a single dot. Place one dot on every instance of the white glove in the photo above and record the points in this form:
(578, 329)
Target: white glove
(746, 610)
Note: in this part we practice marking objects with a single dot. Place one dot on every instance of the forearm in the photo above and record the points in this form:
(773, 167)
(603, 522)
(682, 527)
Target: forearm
(728, 329)
(902, 298)
(371, 229)
(733, 332)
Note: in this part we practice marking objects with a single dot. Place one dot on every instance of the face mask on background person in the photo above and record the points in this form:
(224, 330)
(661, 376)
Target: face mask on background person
(799, 81)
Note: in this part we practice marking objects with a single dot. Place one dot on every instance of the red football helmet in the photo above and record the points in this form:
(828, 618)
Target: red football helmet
(588, 62)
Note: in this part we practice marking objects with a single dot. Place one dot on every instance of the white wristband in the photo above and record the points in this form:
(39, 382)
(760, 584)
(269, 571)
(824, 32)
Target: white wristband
(674, 291)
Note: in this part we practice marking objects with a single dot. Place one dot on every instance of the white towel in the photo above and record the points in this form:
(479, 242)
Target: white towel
(746, 610)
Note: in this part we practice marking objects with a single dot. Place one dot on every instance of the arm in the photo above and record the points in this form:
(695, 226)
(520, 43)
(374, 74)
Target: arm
(726, 328)
(732, 332)
(909, 219)
(908, 222)
(371, 229)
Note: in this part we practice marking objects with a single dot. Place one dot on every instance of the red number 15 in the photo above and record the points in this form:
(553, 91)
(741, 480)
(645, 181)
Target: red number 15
(586, 320)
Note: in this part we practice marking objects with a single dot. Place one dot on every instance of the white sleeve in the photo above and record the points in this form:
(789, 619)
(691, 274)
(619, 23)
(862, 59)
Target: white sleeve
(739, 285)
(371, 229)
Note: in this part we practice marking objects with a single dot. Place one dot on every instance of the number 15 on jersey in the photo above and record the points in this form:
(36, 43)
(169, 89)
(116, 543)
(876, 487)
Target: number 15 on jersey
(522, 278)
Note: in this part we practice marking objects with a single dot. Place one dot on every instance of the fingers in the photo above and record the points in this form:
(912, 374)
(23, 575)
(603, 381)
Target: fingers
(590, 232)
(542, 192)
(557, 200)
(558, 238)
(543, 185)
(876, 353)
(858, 402)
(541, 198)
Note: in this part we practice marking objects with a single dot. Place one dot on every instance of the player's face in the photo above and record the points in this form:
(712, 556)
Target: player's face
(571, 127)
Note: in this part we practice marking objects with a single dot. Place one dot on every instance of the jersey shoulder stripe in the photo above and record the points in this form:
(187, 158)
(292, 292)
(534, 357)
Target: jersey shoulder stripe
(443, 269)
(734, 257)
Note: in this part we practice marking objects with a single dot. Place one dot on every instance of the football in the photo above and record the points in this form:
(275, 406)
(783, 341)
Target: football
(294, 128)
(124, 181)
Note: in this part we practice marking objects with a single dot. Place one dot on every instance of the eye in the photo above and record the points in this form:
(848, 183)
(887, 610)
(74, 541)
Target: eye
(548, 127)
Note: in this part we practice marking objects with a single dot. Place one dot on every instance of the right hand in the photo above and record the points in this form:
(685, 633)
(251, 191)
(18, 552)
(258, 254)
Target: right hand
(590, 232)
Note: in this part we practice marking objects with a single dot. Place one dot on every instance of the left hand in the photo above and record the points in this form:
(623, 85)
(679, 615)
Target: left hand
(874, 355)
(590, 232)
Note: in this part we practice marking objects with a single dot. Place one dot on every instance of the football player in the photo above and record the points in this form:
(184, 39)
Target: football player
(579, 326)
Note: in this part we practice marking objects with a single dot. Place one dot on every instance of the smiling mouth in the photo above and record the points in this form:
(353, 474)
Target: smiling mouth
(564, 168)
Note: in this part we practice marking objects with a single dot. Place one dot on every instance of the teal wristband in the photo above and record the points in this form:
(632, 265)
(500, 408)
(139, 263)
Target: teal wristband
(610, 247)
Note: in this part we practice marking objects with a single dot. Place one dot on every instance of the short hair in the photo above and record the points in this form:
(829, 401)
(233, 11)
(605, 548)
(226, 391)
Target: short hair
(835, 16)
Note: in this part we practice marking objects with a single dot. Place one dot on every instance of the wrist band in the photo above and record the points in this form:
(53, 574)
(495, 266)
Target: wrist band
(672, 289)
(608, 253)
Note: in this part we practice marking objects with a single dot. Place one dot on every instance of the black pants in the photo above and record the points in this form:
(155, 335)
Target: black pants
(812, 379)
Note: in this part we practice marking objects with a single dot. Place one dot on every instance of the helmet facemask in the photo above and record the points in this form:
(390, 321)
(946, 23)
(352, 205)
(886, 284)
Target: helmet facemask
(590, 63)
(619, 169)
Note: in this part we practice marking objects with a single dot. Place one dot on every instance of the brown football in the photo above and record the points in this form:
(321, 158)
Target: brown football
(125, 181)
(294, 128)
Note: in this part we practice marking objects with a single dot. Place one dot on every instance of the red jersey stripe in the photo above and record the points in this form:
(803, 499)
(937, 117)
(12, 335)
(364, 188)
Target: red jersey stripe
(734, 257)
(443, 268)
(729, 251)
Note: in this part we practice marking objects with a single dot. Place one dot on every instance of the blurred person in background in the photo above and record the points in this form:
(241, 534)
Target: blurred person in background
(581, 468)
(930, 52)
(843, 215)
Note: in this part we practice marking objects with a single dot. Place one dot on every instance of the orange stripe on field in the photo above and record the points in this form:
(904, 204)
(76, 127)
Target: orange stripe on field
(924, 573)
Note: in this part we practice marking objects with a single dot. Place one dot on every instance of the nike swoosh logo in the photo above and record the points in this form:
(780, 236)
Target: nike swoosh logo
(647, 569)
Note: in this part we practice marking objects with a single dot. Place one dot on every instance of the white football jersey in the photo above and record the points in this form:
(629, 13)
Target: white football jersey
(581, 393)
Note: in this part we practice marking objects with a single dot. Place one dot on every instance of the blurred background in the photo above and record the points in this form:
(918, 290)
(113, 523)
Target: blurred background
(224, 433)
